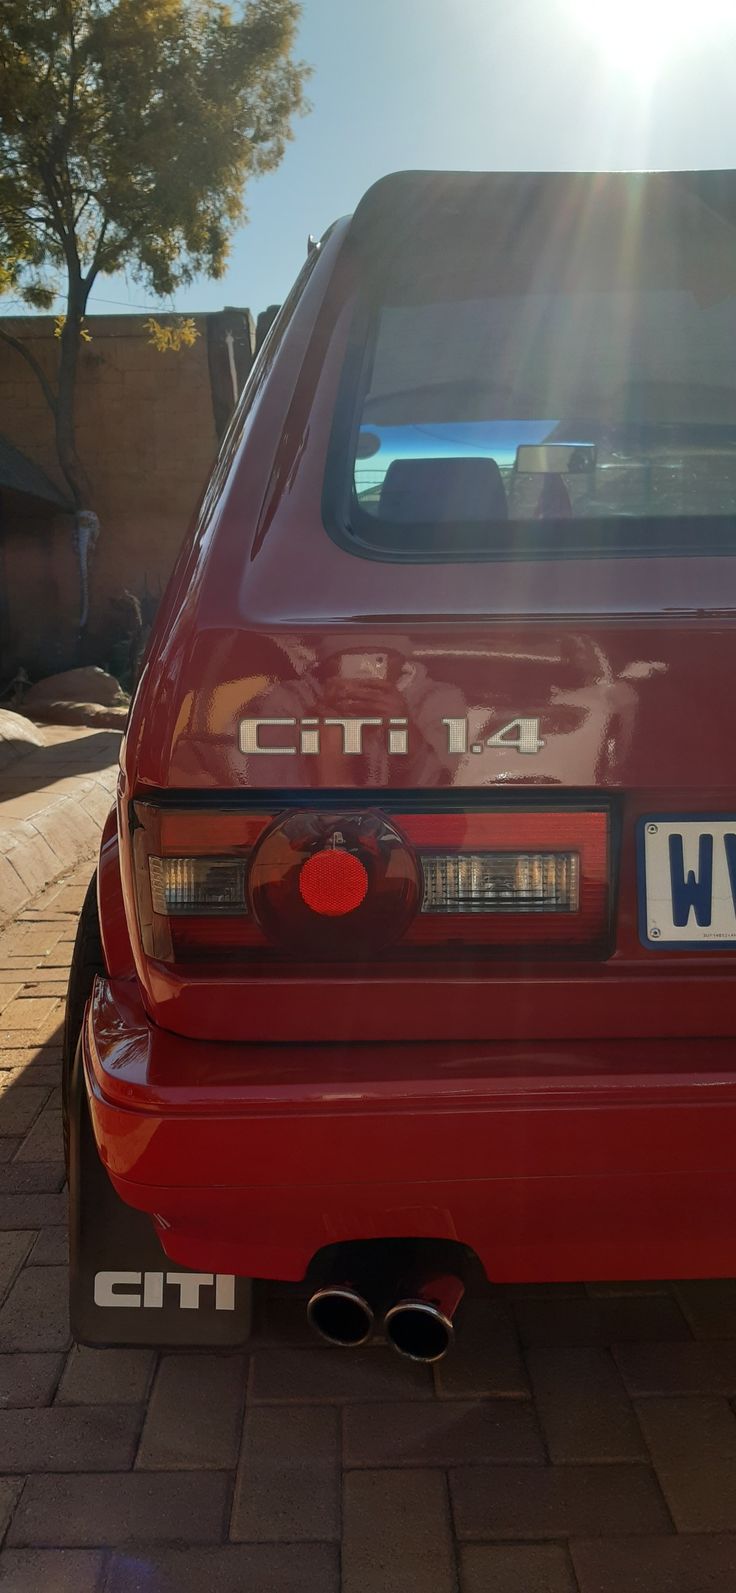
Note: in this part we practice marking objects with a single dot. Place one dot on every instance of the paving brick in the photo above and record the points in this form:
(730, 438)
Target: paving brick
(585, 1412)
(32, 1211)
(8, 1148)
(48, 1033)
(92, 1511)
(31, 1178)
(29, 1012)
(14, 1247)
(324, 1375)
(61, 955)
(27, 1058)
(41, 1074)
(105, 1377)
(36, 940)
(602, 1321)
(485, 1359)
(700, 1492)
(710, 1307)
(69, 1438)
(194, 1414)
(681, 1429)
(255, 1568)
(517, 1568)
(8, 994)
(28, 1379)
(396, 1533)
(51, 1248)
(32, 1040)
(10, 1490)
(35, 1315)
(44, 1141)
(678, 1368)
(56, 1570)
(443, 1433)
(288, 1481)
(48, 986)
(41, 979)
(556, 1501)
(18, 1108)
(656, 1565)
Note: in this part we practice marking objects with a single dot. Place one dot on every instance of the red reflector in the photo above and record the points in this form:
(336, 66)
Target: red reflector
(336, 884)
(333, 882)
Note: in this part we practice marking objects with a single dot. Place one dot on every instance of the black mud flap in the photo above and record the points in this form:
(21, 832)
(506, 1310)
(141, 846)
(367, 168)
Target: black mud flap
(123, 1288)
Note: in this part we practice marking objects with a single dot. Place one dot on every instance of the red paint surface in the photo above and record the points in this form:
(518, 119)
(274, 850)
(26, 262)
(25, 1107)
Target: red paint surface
(551, 1161)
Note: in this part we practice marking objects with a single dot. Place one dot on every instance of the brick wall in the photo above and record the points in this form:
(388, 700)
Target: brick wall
(147, 432)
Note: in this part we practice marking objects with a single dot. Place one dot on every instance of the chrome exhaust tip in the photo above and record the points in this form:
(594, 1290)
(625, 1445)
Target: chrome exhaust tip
(339, 1314)
(420, 1326)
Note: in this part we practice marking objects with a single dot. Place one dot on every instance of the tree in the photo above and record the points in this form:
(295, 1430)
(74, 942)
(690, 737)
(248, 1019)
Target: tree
(128, 132)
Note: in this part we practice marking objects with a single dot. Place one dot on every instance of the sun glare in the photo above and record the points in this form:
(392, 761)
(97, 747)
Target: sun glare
(641, 37)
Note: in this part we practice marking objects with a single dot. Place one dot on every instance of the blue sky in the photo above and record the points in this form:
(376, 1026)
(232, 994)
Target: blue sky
(487, 84)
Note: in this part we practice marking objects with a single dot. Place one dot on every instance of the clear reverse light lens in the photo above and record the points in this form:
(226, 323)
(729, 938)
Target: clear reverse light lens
(501, 882)
(197, 885)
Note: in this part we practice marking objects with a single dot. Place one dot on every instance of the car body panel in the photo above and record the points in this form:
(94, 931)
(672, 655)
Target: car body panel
(563, 1116)
(550, 1161)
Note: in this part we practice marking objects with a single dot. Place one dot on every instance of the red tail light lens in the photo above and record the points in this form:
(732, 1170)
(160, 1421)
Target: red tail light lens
(350, 885)
(334, 884)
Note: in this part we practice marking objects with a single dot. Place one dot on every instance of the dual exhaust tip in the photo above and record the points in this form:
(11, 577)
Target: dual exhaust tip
(419, 1325)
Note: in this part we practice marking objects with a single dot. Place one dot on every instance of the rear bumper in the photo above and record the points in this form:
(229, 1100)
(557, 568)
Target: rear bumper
(551, 1160)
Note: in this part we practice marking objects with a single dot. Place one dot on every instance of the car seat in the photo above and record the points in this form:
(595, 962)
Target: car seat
(425, 491)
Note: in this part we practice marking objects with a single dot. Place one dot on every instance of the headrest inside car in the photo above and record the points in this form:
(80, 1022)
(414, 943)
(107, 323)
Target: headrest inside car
(419, 491)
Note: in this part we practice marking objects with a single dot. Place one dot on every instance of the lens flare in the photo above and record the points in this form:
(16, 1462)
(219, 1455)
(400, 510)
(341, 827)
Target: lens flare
(642, 37)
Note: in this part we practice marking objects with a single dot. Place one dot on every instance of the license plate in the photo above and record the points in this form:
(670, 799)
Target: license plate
(687, 881)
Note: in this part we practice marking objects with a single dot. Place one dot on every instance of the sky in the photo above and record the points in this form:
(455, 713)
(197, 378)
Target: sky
(473, 84)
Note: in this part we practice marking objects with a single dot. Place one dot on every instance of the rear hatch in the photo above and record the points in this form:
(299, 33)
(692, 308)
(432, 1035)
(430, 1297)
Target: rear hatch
(434, 742)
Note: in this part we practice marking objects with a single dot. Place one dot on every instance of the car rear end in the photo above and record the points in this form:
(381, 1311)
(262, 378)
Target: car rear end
(420, 924)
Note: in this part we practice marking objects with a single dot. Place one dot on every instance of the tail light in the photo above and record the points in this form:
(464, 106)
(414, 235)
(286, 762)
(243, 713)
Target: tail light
(367, 884)
(336, 885)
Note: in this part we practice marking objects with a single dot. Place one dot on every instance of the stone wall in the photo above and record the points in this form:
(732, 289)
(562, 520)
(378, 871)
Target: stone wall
(148, 426)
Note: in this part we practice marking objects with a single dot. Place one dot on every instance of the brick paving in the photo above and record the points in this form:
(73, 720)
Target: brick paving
(579, 1439)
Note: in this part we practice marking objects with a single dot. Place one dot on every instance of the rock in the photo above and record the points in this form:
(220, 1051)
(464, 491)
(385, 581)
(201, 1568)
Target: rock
(17, 735)
(83, 713)
(87, 685)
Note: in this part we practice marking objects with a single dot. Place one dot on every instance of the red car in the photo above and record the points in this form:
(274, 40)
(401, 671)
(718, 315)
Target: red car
(412, 945)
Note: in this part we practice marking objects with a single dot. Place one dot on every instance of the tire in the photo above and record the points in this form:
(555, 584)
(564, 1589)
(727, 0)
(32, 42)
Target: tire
(88, 960)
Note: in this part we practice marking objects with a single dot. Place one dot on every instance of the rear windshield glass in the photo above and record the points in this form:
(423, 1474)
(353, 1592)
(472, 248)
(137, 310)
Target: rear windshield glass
(590, 407)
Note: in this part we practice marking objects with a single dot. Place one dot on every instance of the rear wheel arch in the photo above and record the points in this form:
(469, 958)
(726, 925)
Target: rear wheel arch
(88, 960)
(113, 925)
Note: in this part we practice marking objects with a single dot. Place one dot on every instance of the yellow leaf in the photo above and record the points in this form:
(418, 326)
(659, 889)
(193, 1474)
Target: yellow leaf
(171, 338)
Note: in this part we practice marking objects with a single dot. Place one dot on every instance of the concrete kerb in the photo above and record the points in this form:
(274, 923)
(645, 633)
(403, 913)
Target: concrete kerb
(53, 804)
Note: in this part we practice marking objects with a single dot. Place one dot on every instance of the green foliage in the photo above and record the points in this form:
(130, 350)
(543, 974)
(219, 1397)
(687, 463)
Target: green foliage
(129, 129)
(128, 132)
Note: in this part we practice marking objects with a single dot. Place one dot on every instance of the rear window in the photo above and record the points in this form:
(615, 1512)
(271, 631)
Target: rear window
(523, 391)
